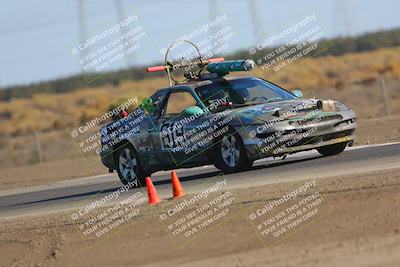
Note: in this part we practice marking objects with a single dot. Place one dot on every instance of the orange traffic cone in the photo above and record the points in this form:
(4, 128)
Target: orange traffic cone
(151, 192)
(177, 190)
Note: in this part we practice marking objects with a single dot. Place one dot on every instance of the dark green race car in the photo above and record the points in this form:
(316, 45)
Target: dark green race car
(226, 121)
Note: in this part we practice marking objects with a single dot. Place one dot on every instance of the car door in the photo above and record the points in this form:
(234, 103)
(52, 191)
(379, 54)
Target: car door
(148, 131)
(172, 125)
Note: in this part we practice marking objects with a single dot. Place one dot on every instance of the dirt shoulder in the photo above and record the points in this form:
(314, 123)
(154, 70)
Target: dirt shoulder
(49, 172)
(357, 225)
(378, 130)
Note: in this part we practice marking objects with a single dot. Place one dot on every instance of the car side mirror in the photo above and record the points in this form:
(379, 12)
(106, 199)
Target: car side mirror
(193, 110)
(297, 93)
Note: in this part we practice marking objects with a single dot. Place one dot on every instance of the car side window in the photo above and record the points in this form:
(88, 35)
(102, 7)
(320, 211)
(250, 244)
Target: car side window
(211, 92)
(178, 102)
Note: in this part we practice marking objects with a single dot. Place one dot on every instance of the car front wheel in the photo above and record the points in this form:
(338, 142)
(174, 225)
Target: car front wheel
(128, 166)
(231, 154)
(332, 149)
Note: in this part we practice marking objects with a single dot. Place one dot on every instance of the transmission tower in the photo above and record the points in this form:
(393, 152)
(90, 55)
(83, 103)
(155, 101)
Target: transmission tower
(82, 27)
(121, 16)
(256, 21)
(213, 13)
(342, 18)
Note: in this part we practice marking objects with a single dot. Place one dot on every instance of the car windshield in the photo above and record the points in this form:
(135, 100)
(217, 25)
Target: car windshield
(243, 92)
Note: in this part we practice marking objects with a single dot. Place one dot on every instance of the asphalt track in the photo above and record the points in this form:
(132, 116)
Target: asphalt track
(74, 194)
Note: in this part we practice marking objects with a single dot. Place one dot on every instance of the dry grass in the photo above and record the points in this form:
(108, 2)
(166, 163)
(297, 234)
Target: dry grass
(45, 112)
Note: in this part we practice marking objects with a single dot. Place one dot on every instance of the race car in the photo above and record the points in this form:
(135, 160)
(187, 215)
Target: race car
(227, 121)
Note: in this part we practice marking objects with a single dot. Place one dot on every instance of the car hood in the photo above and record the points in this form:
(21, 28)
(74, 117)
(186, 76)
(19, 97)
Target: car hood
(283, 109)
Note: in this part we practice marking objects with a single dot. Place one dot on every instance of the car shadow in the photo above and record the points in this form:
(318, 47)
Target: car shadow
(206, 175)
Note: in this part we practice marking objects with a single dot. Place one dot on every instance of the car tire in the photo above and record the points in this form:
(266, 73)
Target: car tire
(230, 154)
(128, 166)
(332, 149)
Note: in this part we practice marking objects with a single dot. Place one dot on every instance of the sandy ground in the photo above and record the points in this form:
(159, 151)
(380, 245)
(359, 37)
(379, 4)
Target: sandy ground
(357, 224)
(370, 131)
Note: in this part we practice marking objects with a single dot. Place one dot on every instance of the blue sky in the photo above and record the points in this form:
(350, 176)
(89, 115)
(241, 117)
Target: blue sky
(36, 36)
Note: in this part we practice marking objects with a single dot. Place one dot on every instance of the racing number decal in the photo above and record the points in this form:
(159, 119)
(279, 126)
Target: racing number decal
(171, 135)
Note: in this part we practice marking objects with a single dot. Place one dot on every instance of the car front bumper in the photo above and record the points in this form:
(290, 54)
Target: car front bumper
(287, 137)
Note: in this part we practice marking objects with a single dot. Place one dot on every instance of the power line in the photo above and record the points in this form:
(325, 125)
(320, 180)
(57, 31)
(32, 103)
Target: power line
(14, 12)
(46, 24)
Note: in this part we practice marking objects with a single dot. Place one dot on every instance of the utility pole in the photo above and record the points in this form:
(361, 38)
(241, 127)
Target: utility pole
(384, 89)
(38, 147)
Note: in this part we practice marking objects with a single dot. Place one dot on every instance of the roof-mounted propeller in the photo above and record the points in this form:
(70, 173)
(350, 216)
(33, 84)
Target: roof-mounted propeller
(213, 65)
(170, 67)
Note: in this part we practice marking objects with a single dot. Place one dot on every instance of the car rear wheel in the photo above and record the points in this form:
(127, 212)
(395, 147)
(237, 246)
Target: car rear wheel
(128, 166)
(231, 154)
(332, 149)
